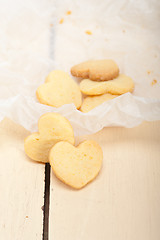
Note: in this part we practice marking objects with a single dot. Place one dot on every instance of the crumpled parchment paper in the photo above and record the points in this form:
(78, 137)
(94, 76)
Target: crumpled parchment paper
(34, 42)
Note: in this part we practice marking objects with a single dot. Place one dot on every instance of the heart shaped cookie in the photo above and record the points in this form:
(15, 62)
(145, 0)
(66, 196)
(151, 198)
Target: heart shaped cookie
(59, 89)
(52, 128)
(76, 166)
(117, 86)
(97, 70)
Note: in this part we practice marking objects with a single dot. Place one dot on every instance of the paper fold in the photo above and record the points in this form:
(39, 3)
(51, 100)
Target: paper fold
(33, 42)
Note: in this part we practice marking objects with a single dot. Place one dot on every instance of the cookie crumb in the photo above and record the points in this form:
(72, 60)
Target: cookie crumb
(26, 216)
(88, 32)
(51, 25)
(153, 82)
(149, 72)
(61, 21)
(68, 12)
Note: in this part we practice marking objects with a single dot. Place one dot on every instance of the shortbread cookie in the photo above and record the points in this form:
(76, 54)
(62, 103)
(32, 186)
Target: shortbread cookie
(97, 70)
(91, 102)
(117, 86)
(52, 128)
(59, 89)
(76, 166)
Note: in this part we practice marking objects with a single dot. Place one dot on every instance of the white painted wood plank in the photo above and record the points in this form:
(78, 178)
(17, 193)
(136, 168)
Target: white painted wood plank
(21, 187)
(124, 201)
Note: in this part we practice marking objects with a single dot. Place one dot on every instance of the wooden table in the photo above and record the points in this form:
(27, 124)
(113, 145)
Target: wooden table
(123, 203)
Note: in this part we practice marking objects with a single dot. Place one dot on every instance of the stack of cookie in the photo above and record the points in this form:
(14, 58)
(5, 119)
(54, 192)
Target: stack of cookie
(100, 80)
(54, 143)
(75, 166)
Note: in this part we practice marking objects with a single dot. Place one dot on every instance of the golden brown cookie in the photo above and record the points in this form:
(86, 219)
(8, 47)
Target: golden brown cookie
(117, 86)
(97, 70)
(76, 166)
(52, 128)
(59, 89)
(93, 101)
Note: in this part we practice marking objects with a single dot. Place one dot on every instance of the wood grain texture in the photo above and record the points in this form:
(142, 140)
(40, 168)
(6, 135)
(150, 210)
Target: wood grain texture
(21, 187)
(123, 203)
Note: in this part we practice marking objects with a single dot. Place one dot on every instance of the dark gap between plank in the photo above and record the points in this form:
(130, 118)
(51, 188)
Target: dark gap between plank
(47, 165)
(46, 202)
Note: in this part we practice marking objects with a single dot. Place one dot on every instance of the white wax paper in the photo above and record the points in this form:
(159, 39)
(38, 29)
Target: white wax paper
(33, 42)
